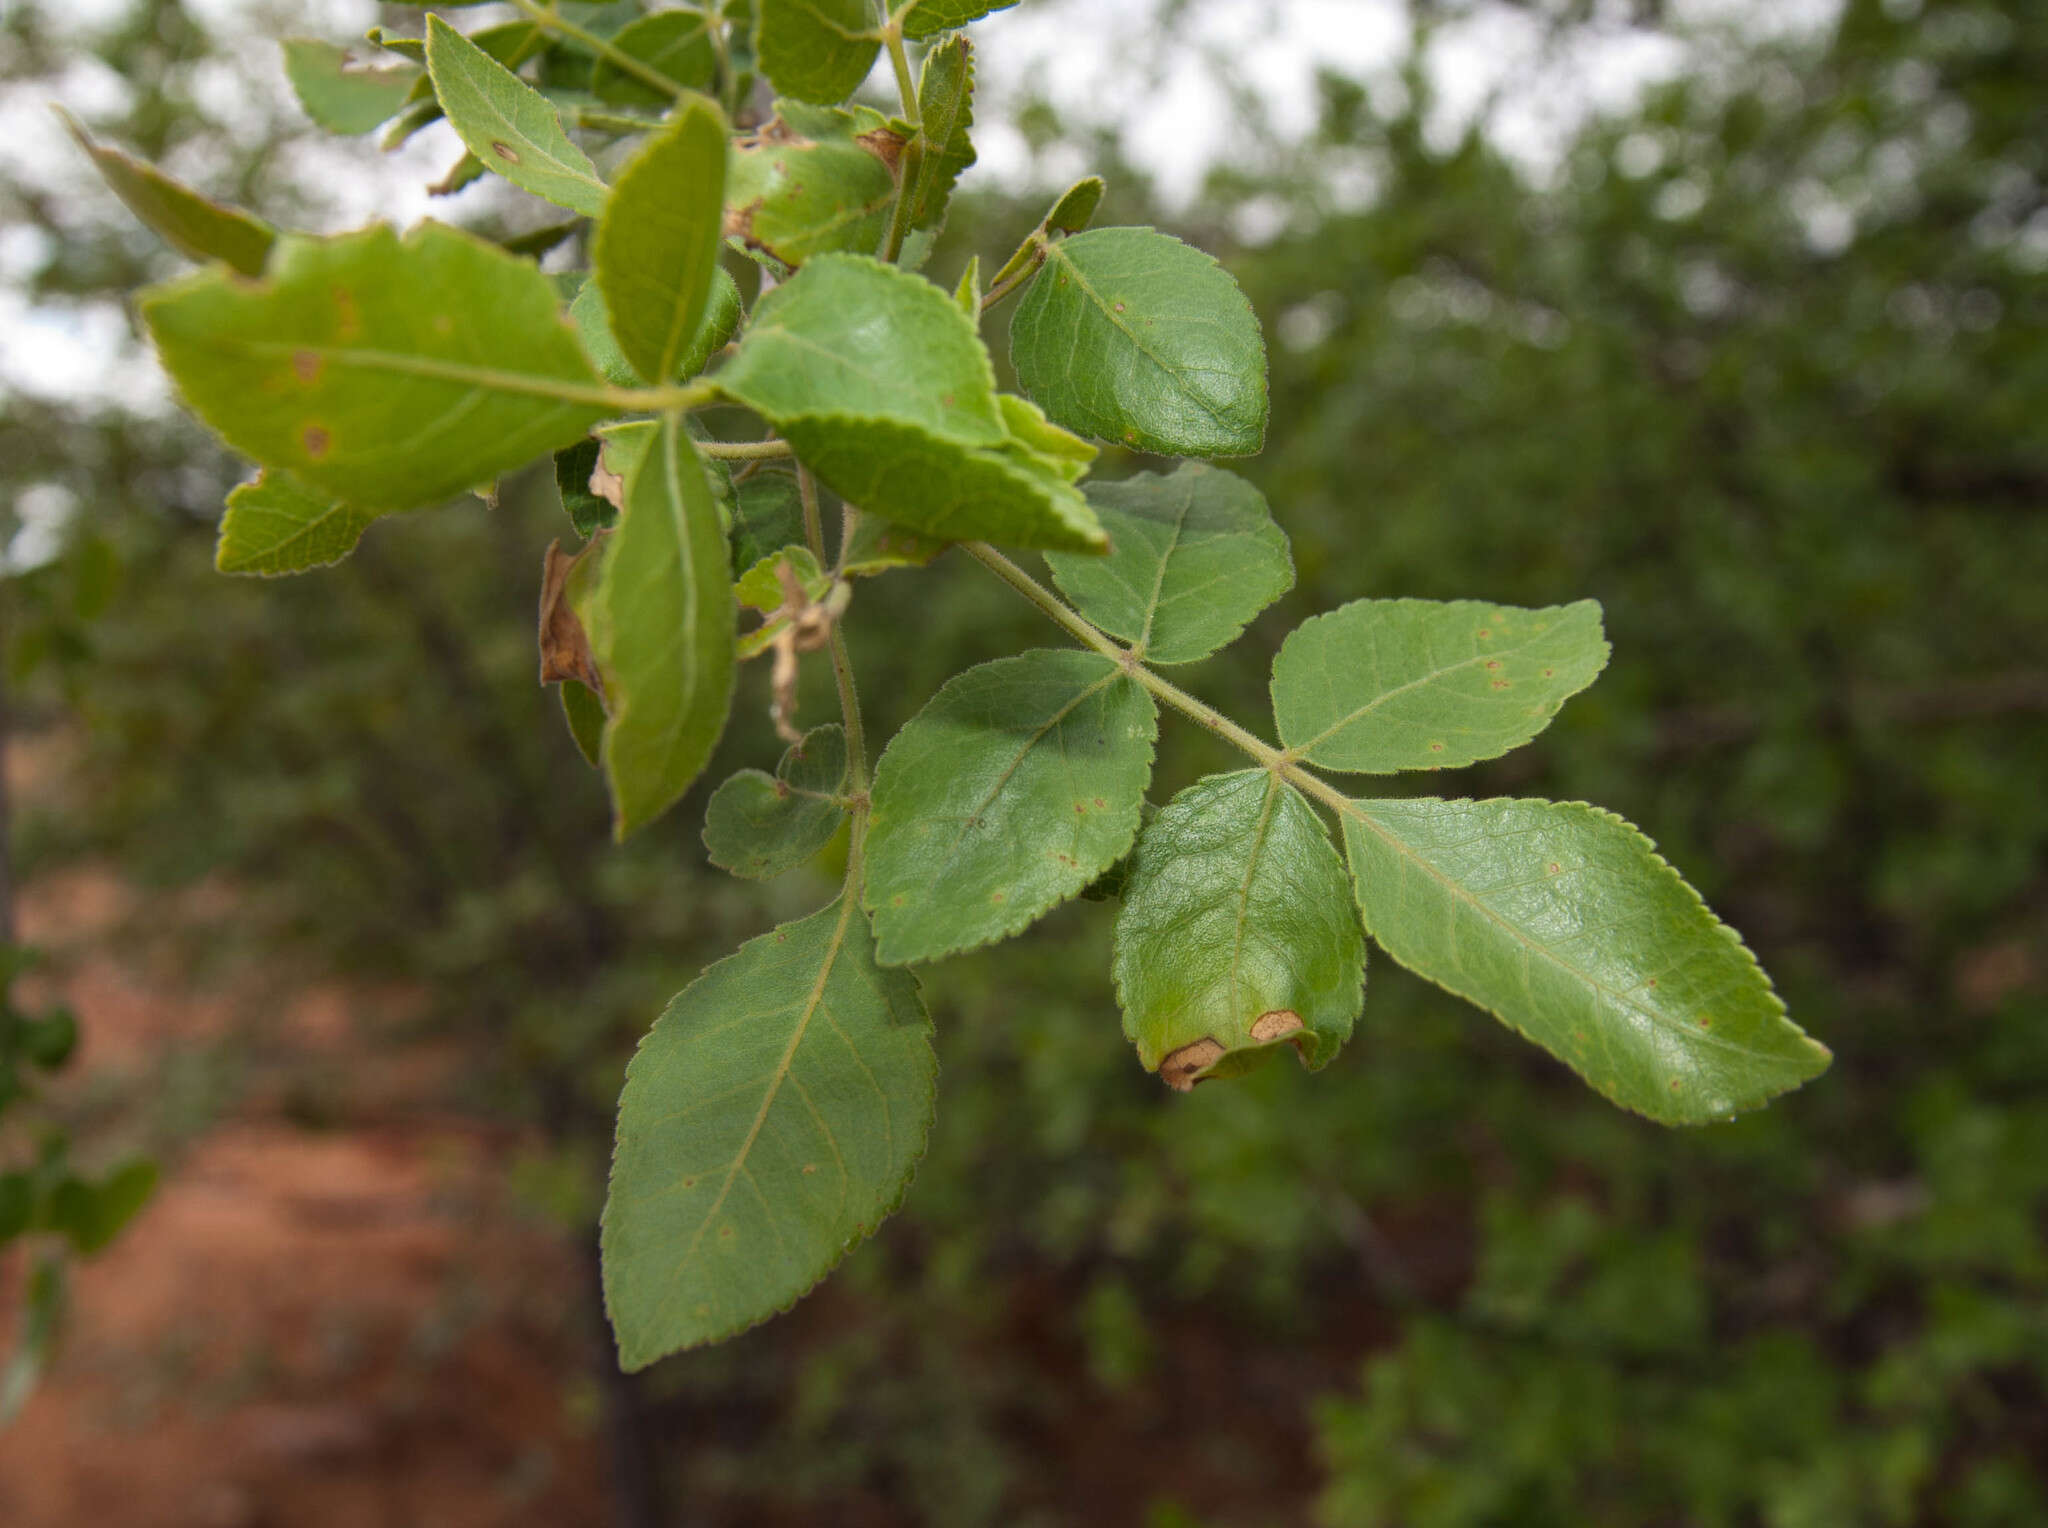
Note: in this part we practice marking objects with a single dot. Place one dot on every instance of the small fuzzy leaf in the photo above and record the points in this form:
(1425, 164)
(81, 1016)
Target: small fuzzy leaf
(511, 127)
(1236, 934)
(676, 44)
(1563, 921)
(758, 825)
(1017, 786)
(1075, 209)
(388, 374)
(816, 50)
(770, 1120)
(343, 97)
(944, 152)
(661, 624)
(1132, 336)
(1196, 556)
(657, 243)
(593, 322)
(274, 526)
(815, 180)
(195, 227)
(928, 18)
(1378, 686)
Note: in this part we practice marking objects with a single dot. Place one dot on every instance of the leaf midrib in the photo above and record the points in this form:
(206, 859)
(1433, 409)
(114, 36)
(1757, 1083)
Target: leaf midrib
(1170, 371)
(490, 378)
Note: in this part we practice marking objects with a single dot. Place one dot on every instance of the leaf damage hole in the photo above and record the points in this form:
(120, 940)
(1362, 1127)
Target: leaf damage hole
(505, 151)
(1180, 1069)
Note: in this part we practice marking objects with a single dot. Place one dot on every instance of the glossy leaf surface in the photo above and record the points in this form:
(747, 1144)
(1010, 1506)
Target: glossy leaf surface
(274, 526)
(1236, 933)
(389, 374)
(1130, 335)
(197, 228)
(770, 1120)
(1017, 786)
(510, 127)
(657, 243)
(1563, 921)
(1197, 555)
(760, 825)
(661, 624)
(1383, 685)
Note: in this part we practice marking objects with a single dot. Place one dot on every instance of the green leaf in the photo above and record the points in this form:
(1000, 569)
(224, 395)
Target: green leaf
(1063, 453)
(768, 516)
(1133, 336)
(593, 322)
(813, 181)
(1384, 685)
(657, 244)
(816, 50)
(943, 151)
(930, 17)
(771, 1120)
(195, 227)
(1017, 786)
(341, 97)
(968, 293)
(384, 373)
(661, 624)
(880, 547)
(760, 588)
(275, 526)
(1235, 934)
(673, 43)
(583, 710)
(883, 387)
(758, 825)
(17, 1205)
(1075, 209)
(508, 124)
(587, 511)
(1196, 556)
(1563, 921)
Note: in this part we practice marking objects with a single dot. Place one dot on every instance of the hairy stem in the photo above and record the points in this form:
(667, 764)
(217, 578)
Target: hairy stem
(1278, 760)
(914, 152)
(624, 62)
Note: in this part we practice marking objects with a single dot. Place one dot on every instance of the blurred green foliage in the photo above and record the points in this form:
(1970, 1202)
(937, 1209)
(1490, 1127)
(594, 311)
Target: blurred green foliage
(1762, 371)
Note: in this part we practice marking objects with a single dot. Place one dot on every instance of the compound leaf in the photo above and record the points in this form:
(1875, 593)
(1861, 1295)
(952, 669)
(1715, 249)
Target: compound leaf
(676, 44)
(813, 181)
(339, 96)
(389, 374)
(816, 50)
(195, 227)
(1132, 336)
(930, 17)
(1236, 934)
(1196, 556)
(1013, 790)
(507, 124)
(1378, 686)
(274, 526)
(760, 825)
(661, 624)
(1563, 921)
(657, 243)
(770, 1120)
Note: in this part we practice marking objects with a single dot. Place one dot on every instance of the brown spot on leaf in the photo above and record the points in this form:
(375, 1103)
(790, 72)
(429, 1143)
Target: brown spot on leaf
(306, 366)
(1119, 307)
(317, 441)
(564, 645)
(726, 1232)
(1484, 633)
(809, 1168)
(1674, 1084)
(505, 151)
(1271, 1026)
(1548, 673)
(1555, 867)
(348, 322)
(1501, 684)
(1179, 1070)
(1436, 747)
(1493, 663)
(998, 898)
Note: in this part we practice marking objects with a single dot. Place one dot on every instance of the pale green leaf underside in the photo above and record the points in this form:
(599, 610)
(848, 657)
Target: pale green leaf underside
(760, 825)
(1378, 686)
(816, 50)
(1236, 912)
(770, 1120)
(1130, 335)
(274, 526)
(1196, 556)
(386, 374)
(1017, 786)
(195, 227)
(1562, 920)
(510, 127)
(340, 97)
(928, 18)
(661, 624)
(657, 244)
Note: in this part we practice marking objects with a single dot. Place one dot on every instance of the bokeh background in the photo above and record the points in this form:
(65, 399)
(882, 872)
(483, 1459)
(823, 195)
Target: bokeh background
(1730, 316)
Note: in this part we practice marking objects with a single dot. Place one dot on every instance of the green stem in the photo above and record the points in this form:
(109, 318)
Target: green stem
(624, 62)
(746, 451)
(842, 672)
(907, 170)
(1021, 267)
(610, 121)
(1279, 760)
(906, 82)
